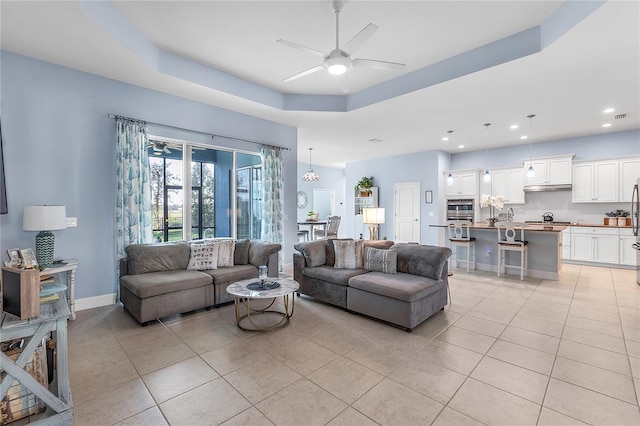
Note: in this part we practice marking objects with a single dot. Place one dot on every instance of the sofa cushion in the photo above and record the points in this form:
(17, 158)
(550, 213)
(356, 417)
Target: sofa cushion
(349, 254)
(229, 275)
(332, 275)
(156, 283)
(203, 256)
(405, 287)
(423, 260)
(144, 258)
(378, 260)
(379, 244)
(314, 252)
(259, 252)
(241, 253)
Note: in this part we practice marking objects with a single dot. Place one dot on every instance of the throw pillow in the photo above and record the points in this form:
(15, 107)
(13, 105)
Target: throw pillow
(380, 260)
(241, 254)
(225, 252)
(314, 252)
(348, 254)
(204, 256)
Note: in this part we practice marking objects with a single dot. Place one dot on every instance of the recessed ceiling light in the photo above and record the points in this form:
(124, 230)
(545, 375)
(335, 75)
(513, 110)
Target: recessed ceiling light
(606, 125)
(514, 126)
(460, 146)
(445, 138)
(523, 137)
(608, 111)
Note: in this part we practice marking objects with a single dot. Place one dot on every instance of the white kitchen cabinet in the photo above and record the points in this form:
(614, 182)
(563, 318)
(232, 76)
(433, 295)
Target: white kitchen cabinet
(595, 182)
(509, 184)
(594, 244)
(566, 243)
(629, 172)
(464, 184)
(550, 171)
(627, 252)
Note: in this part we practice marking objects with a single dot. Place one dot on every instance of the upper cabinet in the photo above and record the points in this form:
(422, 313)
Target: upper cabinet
(605, 181)
(595, 182)
(465, 184)
(629, 173)
(509, 184)
(550, 171)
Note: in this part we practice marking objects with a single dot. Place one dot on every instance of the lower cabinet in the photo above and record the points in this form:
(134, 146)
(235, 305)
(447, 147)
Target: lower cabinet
(599, 245)
(627, 252)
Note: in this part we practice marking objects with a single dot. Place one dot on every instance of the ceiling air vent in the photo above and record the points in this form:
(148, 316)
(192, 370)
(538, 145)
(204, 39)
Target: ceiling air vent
(620, 116)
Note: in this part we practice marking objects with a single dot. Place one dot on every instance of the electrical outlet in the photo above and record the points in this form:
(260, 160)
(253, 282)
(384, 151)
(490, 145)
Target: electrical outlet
(488, 253)
(72, 222)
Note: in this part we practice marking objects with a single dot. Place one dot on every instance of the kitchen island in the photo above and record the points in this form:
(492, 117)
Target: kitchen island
(544, 250)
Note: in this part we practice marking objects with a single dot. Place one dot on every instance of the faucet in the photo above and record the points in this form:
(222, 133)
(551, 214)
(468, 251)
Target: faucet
(509, 214)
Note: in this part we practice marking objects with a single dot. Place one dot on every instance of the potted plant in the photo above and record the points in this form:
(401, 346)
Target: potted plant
(364, 186)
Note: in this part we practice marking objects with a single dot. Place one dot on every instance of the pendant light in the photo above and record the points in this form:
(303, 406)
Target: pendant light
(531, 174)
(310, 176)
(486, 178)
(450, 177)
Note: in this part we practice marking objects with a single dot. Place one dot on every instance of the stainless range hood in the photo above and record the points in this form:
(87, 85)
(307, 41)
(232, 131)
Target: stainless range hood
(547, 188)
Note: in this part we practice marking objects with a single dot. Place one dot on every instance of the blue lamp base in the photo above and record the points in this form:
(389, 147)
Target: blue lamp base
(44, 248)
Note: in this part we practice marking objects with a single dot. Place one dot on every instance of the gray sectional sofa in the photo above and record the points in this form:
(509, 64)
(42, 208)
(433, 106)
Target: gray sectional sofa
(155, 282)
(406, 298)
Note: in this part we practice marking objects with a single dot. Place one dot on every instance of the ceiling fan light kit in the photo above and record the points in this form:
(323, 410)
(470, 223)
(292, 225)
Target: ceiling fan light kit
(339, 61)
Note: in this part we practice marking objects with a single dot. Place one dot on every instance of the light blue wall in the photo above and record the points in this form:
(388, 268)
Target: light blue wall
(420, 167)
(59, 148)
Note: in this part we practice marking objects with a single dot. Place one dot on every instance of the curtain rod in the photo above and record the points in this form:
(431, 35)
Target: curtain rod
(213, 135)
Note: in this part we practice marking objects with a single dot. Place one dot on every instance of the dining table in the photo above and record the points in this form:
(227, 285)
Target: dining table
(312, 225)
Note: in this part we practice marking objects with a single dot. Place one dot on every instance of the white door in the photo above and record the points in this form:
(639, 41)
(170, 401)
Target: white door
(407, 212)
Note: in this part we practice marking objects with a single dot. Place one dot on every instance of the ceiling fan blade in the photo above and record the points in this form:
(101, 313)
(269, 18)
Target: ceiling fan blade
(304, 73)
(377, 65)
(301, 47)
(359, 39)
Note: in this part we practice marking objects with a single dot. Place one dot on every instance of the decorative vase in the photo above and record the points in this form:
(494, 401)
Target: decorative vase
(491, 222)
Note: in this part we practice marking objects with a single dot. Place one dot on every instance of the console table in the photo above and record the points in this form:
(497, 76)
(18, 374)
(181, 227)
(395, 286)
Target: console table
(69, 266)
(53, 318)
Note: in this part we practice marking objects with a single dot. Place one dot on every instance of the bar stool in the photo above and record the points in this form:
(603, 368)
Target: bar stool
(459, 235)
(509, 240)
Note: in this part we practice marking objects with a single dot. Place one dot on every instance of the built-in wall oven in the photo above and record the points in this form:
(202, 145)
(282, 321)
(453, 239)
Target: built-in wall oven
(460, 209)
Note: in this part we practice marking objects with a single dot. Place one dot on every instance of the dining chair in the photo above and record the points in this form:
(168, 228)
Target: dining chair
(511, 238)
(330, 230)
(460, 236)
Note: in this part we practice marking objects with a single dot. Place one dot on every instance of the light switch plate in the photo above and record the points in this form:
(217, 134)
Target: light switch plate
(72, 222)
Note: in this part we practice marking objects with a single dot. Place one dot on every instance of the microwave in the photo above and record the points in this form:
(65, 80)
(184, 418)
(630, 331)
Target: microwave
(460, 209)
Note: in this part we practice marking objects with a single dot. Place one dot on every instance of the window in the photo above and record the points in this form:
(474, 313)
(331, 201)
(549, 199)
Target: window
(215, 209)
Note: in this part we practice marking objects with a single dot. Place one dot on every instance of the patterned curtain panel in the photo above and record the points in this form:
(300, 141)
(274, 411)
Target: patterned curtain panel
(133, 193)
(273, 197)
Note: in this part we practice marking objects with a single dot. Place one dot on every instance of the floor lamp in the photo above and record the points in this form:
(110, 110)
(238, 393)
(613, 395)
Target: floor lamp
(44, 219)
(373, 216)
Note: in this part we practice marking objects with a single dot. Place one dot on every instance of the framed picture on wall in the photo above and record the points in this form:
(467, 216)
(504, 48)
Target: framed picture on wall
(28, 258)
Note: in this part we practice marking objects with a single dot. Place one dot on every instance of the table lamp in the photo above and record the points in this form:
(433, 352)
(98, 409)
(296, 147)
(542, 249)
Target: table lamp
(373, 216)
(44, 219)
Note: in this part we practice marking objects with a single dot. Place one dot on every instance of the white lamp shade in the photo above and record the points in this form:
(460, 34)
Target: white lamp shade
(44, 218)
(373, 215)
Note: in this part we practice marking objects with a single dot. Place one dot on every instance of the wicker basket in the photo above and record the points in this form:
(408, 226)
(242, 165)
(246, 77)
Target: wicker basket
(19, 401)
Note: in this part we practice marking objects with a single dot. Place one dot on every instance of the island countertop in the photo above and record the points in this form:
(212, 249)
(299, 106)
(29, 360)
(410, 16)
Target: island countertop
(529, 228)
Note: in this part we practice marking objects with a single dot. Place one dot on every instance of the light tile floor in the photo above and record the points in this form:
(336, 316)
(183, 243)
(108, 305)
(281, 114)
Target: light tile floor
(503, 352)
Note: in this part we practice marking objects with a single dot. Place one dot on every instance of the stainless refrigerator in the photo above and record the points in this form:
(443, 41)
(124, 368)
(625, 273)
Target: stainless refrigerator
(635, 222)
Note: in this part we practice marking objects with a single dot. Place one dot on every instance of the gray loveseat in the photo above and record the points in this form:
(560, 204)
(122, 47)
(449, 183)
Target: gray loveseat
(415, 292)
(155, 282)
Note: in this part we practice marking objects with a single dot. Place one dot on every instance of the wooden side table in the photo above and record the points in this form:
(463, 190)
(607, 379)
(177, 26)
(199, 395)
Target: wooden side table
(53, 318)
(69, 266)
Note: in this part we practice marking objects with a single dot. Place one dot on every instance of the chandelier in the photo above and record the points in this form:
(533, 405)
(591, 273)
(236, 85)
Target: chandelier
(310, 176)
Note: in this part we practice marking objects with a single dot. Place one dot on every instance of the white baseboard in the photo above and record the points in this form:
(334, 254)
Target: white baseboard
(95, 302)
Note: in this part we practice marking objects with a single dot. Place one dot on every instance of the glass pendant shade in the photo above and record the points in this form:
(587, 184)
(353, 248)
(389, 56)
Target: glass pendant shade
(449, 179)
(486, 178)
(310, 176)
(531, 174)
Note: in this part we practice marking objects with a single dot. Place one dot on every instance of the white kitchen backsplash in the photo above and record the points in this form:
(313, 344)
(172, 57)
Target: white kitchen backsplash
(559, 203)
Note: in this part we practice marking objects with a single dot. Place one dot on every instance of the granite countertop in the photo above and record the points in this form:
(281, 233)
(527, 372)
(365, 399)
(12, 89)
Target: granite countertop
(598, 225)
(530, 227)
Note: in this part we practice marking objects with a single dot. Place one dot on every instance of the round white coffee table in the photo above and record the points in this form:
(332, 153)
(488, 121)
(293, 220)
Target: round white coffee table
(244, 296)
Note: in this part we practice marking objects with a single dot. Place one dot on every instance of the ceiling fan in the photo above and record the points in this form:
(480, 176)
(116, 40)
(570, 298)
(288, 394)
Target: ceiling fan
(159, 147)
(339, 61)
